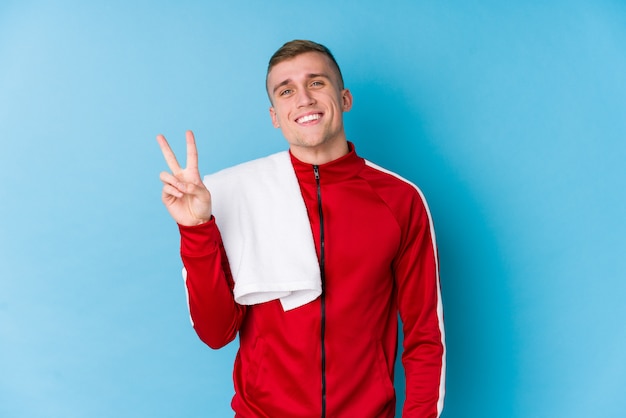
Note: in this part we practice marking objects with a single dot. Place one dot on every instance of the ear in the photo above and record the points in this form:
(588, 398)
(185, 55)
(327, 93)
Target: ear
(346, 100)
(274, 118)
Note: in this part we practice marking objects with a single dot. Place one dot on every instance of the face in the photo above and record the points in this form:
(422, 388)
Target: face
(308, 104)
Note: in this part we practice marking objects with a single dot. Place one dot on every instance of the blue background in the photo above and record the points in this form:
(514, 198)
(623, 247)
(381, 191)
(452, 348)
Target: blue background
(510, 116)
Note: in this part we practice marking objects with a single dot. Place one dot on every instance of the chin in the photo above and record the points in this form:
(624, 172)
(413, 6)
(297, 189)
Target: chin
(308, 142)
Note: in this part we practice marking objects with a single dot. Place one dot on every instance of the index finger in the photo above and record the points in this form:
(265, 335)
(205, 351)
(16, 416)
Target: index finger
(192, 151)
(170, 158)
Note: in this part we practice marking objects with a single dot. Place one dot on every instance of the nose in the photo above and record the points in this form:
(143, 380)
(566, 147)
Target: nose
(305, 98)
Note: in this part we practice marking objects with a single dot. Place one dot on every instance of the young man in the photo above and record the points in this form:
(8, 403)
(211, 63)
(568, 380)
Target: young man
(316, 252)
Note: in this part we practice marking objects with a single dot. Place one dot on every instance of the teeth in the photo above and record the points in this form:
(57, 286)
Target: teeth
(309, 118)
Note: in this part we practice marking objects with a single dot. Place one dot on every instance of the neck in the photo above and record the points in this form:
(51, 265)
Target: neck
(320, 155)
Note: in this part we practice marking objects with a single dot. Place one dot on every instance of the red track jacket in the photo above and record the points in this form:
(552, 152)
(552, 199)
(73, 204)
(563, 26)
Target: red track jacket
(334, 357)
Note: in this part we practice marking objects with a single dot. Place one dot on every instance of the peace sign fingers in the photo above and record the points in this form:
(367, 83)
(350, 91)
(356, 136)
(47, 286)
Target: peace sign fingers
(185, 196)
(172, 162)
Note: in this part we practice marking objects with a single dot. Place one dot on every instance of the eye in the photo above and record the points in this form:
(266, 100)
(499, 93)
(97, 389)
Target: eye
(285, 92)
(317, 83)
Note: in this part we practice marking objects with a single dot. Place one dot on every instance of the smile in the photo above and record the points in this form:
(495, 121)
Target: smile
(309, 118)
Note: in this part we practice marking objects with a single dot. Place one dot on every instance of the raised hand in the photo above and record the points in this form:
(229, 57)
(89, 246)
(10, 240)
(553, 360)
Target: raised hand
(185, 196)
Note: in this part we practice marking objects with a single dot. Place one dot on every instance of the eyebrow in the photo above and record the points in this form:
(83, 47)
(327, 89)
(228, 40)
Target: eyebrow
(289, 81)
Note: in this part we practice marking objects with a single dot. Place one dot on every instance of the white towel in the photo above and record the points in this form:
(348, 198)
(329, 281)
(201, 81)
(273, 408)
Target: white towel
(267, 236)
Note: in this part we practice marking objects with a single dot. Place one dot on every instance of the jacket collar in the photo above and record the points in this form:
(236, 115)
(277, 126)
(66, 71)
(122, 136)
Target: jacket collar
(340, 169)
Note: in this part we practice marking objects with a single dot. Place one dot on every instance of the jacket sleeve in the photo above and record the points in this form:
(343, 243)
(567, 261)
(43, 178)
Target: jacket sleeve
(420, 306)
(215, 315)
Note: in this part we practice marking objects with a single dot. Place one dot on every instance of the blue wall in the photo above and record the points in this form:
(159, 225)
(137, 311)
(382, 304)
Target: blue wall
(511, 118)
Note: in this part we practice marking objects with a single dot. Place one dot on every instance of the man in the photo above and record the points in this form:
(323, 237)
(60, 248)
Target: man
(316, 339)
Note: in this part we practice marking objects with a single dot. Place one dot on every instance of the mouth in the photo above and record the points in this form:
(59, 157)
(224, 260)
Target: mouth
(309, 118)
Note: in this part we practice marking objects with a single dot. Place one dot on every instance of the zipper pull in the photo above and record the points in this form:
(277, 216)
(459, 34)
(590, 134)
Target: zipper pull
(316, 171)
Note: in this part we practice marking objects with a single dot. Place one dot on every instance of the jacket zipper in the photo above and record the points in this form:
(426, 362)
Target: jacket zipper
(323, 295)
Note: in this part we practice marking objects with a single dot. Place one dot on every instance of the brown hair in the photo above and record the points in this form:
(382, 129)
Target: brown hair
(296, 47)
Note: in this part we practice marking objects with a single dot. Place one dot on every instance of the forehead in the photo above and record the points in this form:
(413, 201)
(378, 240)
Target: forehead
(301, 67)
